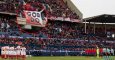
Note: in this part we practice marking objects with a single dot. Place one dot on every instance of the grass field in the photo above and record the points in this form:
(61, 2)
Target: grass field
(64, 58)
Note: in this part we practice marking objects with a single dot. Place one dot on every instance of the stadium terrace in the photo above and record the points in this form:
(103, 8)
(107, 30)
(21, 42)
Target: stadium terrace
(59, 30)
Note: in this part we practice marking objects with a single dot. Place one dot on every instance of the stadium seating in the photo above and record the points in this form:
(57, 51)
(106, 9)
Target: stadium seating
(57, 35)
(17, 6)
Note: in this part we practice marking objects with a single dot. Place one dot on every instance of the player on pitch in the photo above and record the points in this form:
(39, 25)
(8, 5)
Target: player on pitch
(23, 53)
(97, 51)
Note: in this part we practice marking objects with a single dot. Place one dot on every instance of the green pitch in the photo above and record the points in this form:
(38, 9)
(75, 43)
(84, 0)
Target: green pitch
(64, 58)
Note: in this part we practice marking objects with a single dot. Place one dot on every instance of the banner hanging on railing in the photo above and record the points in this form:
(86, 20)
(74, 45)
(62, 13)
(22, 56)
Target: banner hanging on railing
(35, 18)
(65, 19)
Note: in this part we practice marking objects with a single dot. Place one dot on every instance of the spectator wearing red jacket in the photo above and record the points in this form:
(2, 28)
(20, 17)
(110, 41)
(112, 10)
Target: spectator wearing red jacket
(101, 51)
(94, 50)
(86, 51)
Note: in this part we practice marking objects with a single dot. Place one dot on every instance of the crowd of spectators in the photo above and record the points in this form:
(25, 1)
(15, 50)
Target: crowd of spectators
(68, 30)
(57, 35)
(66, 34)
(7, 6)
(60, 8)
(55, 44)
(8, 27)
(55, 8)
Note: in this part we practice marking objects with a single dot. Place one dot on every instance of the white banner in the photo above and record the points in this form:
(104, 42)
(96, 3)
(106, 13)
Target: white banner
(35, 18)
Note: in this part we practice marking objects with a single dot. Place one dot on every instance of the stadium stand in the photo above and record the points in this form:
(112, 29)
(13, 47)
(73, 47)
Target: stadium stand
(57, 38)
(55, 8)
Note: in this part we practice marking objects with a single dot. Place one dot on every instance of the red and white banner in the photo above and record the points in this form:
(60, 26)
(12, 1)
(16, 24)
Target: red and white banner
(35, 18)
(65, 19)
